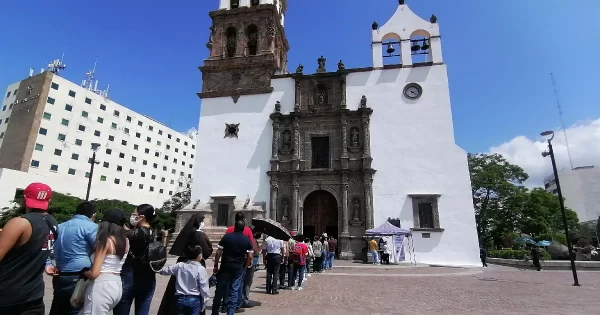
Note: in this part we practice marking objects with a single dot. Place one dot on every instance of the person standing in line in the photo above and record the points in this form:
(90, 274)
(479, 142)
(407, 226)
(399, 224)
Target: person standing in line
(190, 236)
(373, 249)
(325, 253)
(110, 251)
(237, 254)
(332, 244)
(483, 256)
(139, 280)
(317, 250)
(249, 276)
(191, 288)
(23, 254)
(309, 259)
(72, 250)
(298, 258)
(283, 270)
(275, 250)
(290, 263)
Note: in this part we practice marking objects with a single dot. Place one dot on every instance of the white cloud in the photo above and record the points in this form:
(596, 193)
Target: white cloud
(584, 144)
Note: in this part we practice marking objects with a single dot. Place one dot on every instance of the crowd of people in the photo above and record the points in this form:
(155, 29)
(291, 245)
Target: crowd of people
(110, 262)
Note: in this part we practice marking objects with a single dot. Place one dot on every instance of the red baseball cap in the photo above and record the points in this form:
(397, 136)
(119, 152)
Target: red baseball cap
(37, 196)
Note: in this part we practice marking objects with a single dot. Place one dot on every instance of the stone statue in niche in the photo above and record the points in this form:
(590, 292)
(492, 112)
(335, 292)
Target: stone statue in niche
(354, 136)
(321, 61)
(285, 210)
(321, 98)
(210, 38)
(286, 140)
(356, 209)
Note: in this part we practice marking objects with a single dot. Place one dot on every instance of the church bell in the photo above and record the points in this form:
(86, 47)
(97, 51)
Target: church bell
(390, 49)
(415, 47)
(425, 45)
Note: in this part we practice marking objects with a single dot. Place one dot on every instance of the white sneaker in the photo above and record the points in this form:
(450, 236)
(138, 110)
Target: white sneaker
(309, 275)
(295, 288)
(299, 288)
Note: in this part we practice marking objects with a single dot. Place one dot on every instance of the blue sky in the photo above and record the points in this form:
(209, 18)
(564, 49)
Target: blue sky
(499, 53)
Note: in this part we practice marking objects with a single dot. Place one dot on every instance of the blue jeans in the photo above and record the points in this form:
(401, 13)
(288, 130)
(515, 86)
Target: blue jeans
(375, 256)
(241, 289)
(138, 286)
(189, 304)
(297, 271)
(229, 281)
(63, 289)
(330, 258)
(324, 261)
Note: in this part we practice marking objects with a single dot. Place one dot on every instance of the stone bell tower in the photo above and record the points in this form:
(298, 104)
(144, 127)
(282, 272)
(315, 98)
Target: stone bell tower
(247, 46)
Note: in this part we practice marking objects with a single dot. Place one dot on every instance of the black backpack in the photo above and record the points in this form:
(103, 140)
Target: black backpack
(155, 255)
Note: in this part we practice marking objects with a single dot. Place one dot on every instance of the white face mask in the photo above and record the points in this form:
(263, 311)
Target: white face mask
(134, 219)
(201, 226)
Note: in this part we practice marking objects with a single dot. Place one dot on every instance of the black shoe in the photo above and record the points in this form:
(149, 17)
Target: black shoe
(245, 305)
(240, 310)
(275, 292)
(223, 309)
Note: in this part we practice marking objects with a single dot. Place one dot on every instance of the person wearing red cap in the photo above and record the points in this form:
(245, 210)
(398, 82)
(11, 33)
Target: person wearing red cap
(23, 254)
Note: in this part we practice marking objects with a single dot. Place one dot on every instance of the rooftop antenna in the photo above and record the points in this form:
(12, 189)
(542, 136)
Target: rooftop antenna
(562, 122)
(90, 82)
(56, 65)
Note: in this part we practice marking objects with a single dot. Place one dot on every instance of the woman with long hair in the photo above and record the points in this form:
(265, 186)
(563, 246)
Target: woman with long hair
(139, 280)
(190, 236)
(110, 252)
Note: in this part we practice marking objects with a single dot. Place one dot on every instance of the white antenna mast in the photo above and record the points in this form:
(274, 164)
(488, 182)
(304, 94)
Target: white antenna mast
(91, 84)
(562, 122)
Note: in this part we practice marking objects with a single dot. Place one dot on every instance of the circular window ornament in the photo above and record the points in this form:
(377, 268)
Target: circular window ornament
(413, 91)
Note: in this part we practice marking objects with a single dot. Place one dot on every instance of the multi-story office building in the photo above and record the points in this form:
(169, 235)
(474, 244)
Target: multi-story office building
(49, 128)
(581, 189)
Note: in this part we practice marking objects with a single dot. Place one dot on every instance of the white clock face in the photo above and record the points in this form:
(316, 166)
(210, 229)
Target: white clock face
(412, 91)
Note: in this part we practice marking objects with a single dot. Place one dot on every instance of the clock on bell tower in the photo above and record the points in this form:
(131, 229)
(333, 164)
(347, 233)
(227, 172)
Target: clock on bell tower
(247, 46)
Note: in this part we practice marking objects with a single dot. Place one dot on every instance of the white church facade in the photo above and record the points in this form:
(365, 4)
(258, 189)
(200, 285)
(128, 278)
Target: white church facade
(338, 150)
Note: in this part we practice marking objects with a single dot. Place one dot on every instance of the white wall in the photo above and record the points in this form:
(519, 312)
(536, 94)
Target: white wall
(238, 166)
(581, 191)
(11, 180)
(413, 149)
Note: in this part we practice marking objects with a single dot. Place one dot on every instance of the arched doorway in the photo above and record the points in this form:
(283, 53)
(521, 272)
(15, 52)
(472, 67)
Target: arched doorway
(320, 214)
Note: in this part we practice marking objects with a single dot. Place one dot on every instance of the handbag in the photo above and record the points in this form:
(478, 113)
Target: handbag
(77, 298)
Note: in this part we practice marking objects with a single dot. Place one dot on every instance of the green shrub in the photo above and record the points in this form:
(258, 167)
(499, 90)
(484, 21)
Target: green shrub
(516, 253)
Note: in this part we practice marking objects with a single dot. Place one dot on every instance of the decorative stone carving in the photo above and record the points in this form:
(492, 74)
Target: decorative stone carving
(321, 61)
(285, 209)
(356, 209)
(354, 136)
(231, 130)
(209, 44)
(286, 140)
(363, 102)
(341, 66)
(278, 107)
(300, 68)
(270, 29)
(433, 19)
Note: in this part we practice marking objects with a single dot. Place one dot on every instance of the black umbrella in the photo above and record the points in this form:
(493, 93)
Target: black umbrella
(271, 228)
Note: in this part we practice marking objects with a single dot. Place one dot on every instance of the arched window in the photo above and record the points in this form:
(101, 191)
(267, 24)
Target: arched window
(252, 39)
(254, 3)
(391, 50)
(420, 47)
(231, 41)
(234, 4)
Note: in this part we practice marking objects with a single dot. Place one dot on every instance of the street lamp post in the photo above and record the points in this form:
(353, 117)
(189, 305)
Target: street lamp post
(95, 147)
(550, 153)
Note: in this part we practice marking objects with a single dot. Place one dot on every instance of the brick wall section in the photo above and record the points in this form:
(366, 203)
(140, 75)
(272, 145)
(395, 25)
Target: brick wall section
(24, 122)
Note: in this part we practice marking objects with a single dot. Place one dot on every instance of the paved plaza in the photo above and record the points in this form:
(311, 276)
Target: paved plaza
(354, 288)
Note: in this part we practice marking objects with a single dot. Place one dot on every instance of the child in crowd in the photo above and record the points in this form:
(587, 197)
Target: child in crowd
(191, 288)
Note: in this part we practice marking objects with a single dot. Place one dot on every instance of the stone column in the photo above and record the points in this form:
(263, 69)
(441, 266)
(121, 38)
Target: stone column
(295, 201)
(366, 137)
(275, 144)
(344, 136)
(345, 205)
(296, 156)
(368, 183)
(343, 88)
(297, 97)
(273, 209)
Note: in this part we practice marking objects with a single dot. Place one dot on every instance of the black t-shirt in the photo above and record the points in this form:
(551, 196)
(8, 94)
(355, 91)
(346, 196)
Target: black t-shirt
(139, 239)
(21, 270)
(235, 250)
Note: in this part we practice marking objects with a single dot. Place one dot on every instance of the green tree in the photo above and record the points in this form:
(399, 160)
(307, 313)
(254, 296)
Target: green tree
(497, 190)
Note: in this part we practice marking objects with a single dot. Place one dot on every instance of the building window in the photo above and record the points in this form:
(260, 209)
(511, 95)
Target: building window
(102, 107)
(252, 39)
(35, 163)
(61, 137)
(138, 135)
(71, 171)
(320, 152)
(78, 142)
(166, 157)
(126, 131)
(169, 136)
(172, 181)
(145, 162)
(164, 168)
(4, 108)
(185, 143)
(119, 168)
(54, 86)
(174, 160)
(87, 174)
(50, 100)
(124, 142)
(425, 211)
(47, 116)
(102, 178)
(108, 151)
(160, 132)
(128, 119)
(161, 190)
(100, 120)
(8, 94)
(131, 171)
(178, 140)
(140, 123)
(146, 150)
(155, 165)
(129, 184)
(6, 120)
(157, 154)
(176, 150)
(122, 155)
(84, 113)
(133, 159)
(54, 168)
(141, 186)
(135, 146)
(158, 143)
(39, 147)
(106, 165)
(71, 93)
(192, 156)
(68, 108)
(75, 156)
(116, 113)
(170, 193)
(143, 174)
(64, 122)
(168, 146)
(113, 126)
(117, 181)
(150, 128)
(191, 166)
(148, 139)
(111, 138)
(151, 188)
(43, 131)
(184, 153)
(162, 179)
(81, 128)
(231, 34)
(153, 177)
(97, 133)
